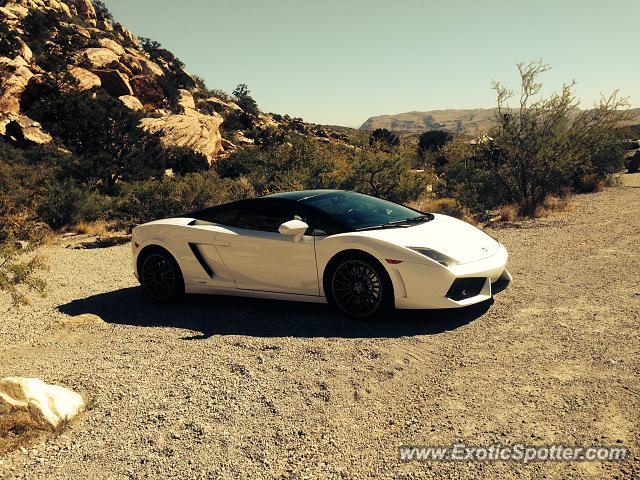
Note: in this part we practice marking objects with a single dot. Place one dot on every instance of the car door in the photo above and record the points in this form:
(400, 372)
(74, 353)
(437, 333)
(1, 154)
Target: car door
(262, 259)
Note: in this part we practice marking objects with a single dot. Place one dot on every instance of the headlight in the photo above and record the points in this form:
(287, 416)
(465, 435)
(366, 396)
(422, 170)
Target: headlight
(441, 258)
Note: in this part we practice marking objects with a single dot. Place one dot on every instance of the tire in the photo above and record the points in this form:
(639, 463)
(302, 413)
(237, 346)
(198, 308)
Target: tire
(160, 275)
(359, 286)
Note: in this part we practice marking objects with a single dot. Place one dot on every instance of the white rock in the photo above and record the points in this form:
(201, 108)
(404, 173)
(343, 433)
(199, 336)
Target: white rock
(115, 47)
(48, 405)
(131, 102)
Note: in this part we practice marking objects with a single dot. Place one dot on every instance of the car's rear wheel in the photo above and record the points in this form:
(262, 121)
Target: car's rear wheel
(160, 275)
(360, 287)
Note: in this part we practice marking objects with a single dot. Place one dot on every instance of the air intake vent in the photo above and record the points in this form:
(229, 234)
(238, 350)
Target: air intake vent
(196, 253)
(464, 288)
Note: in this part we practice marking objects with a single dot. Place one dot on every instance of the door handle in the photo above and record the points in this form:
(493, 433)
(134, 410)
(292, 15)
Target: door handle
(220, 243)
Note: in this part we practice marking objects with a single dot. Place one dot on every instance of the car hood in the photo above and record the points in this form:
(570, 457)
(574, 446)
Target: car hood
(455, 238)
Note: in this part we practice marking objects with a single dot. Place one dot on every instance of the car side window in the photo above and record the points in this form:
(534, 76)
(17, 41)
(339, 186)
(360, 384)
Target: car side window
(266, 214)
(223, 214)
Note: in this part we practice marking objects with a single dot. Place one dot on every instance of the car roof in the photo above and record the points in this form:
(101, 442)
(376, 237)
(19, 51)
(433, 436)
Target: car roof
(300, 194)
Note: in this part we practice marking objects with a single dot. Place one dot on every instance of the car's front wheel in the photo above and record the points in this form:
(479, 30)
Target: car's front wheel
(360, 287)
(160, 275)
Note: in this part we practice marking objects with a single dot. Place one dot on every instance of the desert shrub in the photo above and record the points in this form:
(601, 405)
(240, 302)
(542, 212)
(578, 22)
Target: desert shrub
(304, 163)
(18, 265)
(52, 39)
(66, 203)
(445, 206)
(107, 142)
(383, 138)
(10, 46)
(633, 164)
(152, 199)
(244, 100)
(237, 121)
(538, 149)
(184, 160)
(387, 175)
(590, 184)
(432, 141)
(507, 213)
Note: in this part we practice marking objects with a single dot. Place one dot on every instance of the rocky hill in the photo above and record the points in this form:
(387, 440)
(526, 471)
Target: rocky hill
(473, 121)
(71, 45)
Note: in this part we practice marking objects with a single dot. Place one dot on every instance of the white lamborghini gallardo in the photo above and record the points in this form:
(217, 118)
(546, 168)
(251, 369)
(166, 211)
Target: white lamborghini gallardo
(360, 253)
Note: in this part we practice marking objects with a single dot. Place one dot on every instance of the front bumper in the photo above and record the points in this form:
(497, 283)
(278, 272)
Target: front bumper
(418, 286)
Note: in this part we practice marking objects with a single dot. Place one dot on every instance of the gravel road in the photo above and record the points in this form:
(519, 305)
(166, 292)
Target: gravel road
(237, 388)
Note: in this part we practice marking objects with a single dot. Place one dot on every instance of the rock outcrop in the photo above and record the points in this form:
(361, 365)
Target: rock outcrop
(198, 132)
(114, 82)
(131, 102)
(99, 57)
(84, 79)
(14, 78)
(86, 11)
(47, 405)
(26, 132)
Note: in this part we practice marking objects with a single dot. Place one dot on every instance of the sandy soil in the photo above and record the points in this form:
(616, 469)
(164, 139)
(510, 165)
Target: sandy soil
(236, 388)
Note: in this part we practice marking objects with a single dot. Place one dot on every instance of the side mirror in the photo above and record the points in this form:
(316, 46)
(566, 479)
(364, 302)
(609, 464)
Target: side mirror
(293, 228)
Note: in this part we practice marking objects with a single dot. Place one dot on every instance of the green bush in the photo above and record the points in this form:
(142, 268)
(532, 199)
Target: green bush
(66, 203)
(383, 138)
(148, 200)
(537, 150)
(104, 135)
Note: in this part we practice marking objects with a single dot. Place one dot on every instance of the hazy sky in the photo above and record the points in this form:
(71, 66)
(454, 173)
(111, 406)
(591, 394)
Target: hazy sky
(340, 62)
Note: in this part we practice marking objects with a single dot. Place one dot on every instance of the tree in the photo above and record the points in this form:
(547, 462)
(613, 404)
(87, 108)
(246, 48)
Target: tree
(105, 136)
(541, 147)
(386, 175)
(432, 141)
(384, 139)
(102, 11)
(245, 100)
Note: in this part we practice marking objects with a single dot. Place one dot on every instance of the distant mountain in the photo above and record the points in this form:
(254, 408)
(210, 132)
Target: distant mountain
(468, 121)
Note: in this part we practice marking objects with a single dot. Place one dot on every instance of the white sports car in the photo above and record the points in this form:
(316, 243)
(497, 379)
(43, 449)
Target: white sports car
(360, 253)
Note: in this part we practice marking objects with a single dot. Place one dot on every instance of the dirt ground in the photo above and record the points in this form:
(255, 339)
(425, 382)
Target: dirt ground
(237, 388)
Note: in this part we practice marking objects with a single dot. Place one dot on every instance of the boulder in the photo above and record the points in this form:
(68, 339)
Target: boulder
(47, 405)
(132, 102)
(84, 79)
(86, 11)
(18, 11)
(126, 34)
(8, 14)
(198, 132)
(109, 44)
(85, 319)
(147, 89)
(222, 106)
(186, 101)
(227, 145)
(13, 82)
(99, 57)
(114, 82)
(26, 132)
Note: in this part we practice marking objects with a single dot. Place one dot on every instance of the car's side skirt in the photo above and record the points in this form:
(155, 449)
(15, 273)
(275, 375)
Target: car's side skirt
(209, 290)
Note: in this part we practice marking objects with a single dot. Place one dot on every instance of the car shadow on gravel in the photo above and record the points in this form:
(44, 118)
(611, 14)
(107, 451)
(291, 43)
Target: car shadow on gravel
(224, 315)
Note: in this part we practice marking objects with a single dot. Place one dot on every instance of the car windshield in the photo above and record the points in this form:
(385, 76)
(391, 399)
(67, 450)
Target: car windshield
(357, 211)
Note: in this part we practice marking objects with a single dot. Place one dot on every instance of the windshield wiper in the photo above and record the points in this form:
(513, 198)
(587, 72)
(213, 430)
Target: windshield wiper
(403, 223)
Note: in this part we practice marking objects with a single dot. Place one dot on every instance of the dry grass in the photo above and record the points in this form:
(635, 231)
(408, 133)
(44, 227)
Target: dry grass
(90, 228)
(508, 213)
(445, 206)
(17, 430)
(591, 184)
